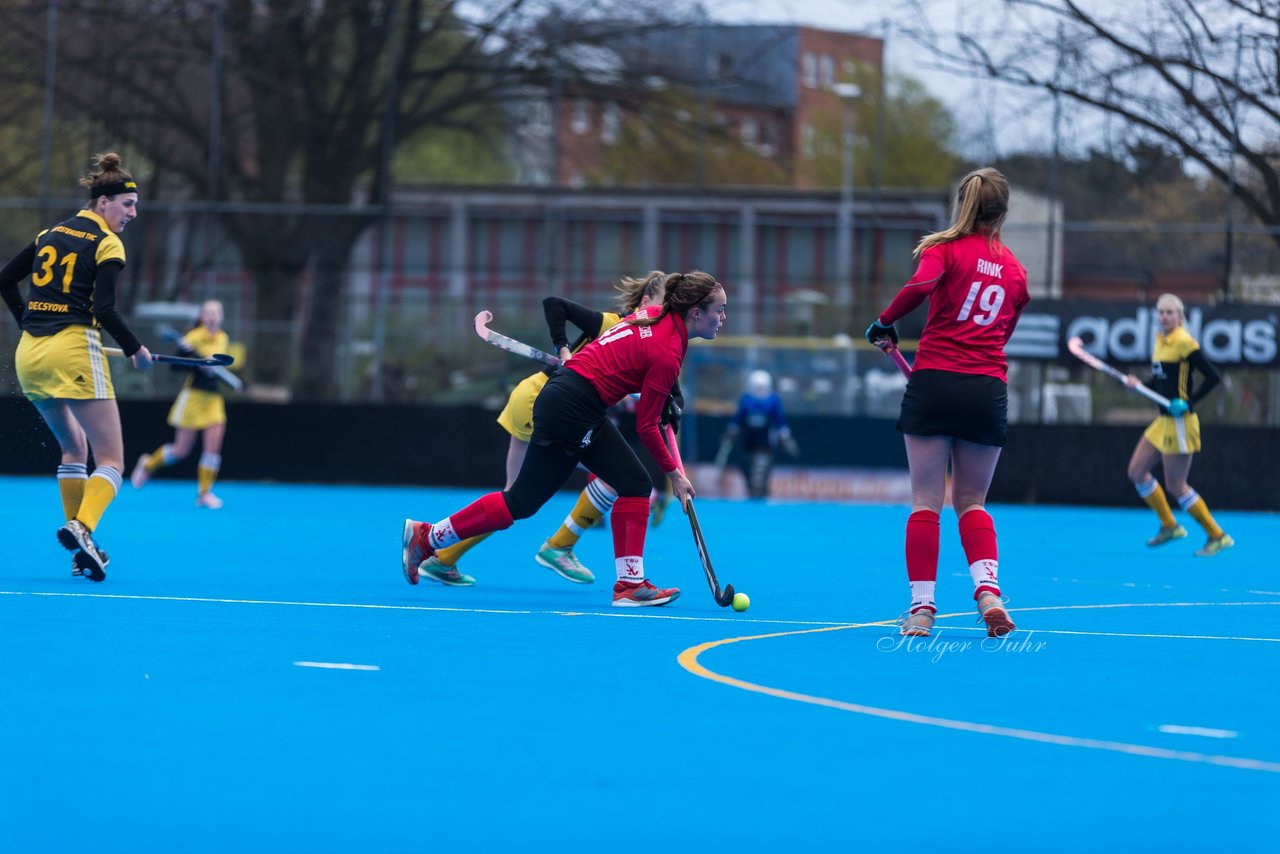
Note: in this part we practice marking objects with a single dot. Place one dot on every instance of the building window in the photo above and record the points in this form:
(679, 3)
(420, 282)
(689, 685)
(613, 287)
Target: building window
(610, 123)
(722, 66)
(809, 70)
(806, 141)
(750, 132)
(580, 119)
(826, 71)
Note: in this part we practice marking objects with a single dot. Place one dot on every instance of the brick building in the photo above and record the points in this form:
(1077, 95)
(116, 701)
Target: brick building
(767, 86)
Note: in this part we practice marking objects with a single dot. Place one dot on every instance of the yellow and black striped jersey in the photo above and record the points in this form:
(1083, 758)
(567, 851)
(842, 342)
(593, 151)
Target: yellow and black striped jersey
(1172, 360)
(65, 270)
(201, 342)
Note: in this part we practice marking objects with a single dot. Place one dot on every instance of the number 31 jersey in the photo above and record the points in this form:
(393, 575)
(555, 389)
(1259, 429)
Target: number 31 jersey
(976, 294)
(64, 270)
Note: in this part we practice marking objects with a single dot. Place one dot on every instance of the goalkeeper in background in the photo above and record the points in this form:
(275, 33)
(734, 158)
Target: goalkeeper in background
(762, 423)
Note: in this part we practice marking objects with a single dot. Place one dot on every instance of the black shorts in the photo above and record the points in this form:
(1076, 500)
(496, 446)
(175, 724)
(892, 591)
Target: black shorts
(567, 412)
(972, 407)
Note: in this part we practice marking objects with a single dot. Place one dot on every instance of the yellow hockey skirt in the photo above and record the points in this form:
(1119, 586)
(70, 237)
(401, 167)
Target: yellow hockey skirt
(196, 410)
(1175, 435)
(68, 364)
(517, 416)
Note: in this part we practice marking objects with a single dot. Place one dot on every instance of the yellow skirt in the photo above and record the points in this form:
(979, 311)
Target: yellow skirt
(196, 410)
(1175, 435)
(68, 364)
(517, 416)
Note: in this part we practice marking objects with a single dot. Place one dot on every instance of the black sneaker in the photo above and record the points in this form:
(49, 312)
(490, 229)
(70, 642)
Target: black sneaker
(74, 535)
(79, 563)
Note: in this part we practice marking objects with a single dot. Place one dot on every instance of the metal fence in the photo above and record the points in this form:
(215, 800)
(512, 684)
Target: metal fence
(419, 271)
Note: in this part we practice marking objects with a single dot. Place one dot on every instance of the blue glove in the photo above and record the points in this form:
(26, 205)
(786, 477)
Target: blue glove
(876, 331)
(1178, 406)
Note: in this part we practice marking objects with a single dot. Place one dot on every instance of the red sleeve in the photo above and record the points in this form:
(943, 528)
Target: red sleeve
(915, 291)
(653, 397)
(1017, 314)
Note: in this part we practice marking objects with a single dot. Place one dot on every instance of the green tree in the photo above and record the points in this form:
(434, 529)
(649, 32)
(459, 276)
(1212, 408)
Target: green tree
(917, 137)
(314, 98)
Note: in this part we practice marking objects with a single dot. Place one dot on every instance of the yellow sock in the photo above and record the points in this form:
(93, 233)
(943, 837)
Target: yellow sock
(71, 478)
(99, 490)
(580, 519)
(1198, 510)
(159, 459)
(205, 478)
(1156, 501)
(452, 554)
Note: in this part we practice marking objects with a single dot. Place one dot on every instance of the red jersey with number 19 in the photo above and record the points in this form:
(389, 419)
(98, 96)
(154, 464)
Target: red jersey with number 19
(976, 294)
(644, 359)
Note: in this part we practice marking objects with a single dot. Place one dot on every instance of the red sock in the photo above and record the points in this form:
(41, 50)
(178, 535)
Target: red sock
(630, 522)
(487, 514)
(922, 546)
(978, 536)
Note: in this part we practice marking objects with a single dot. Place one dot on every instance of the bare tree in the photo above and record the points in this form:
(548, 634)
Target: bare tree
(312, 97)
(1201, 77)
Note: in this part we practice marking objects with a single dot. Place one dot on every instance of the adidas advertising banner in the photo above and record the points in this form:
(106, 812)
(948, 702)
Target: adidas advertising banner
(1242, 335)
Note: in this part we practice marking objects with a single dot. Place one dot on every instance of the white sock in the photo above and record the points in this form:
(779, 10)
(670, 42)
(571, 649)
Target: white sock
(922, 595)
(601, 496)
(984, 574)
(630, 569)
(442, 534)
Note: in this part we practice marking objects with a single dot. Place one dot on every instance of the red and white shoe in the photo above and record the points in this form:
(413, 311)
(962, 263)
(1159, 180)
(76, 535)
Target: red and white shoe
(415, 548)
(644, 593)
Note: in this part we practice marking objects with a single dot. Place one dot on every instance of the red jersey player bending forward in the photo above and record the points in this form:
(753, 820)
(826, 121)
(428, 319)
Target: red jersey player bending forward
(641, 354)
(956, 402)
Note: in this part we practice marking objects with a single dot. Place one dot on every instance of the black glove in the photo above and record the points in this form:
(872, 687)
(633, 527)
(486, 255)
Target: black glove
(877, 331)
(671, 413)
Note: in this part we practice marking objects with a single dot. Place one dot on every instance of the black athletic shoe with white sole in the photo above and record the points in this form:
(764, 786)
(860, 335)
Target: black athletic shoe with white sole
(92, 562)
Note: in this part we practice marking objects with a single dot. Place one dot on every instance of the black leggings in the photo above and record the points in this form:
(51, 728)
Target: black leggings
(568, 412)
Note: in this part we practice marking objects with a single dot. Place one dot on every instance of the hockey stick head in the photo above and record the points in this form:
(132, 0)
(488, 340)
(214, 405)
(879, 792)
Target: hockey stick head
(217, 360)
(482, 323)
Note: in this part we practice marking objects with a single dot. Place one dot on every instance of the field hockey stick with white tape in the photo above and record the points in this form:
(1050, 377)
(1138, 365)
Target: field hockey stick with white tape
(724, 598)
(891, 350)
(217, 360)
(511, 345)
(1076, 346)
(173, 335)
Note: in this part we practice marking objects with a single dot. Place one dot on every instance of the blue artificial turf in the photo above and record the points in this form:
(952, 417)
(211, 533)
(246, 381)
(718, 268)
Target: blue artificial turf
(163, 710)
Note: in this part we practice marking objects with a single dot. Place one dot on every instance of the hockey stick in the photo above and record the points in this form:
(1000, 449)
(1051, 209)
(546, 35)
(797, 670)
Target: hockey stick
(511, 345)
(722, 454)
(171, 334)
(217, 360)
(724, 598)
(1076, 346)
(891, 350)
